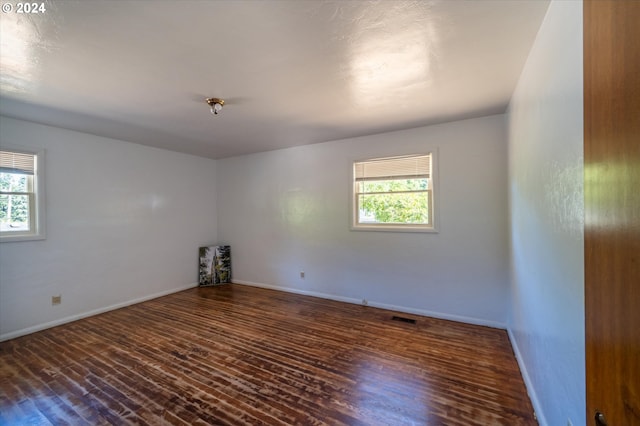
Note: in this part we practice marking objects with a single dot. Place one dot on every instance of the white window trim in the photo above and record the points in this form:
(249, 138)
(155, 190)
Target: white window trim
(433, 229)
(39, 229)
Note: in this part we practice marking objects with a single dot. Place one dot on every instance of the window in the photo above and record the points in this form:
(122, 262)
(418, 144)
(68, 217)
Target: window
(21, 195)
(394, 194)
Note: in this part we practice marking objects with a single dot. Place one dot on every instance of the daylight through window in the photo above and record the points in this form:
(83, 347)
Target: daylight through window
(18, 194)
(394, 192)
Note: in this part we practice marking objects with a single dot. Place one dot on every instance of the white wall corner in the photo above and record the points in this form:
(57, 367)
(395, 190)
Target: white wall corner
(537, 407)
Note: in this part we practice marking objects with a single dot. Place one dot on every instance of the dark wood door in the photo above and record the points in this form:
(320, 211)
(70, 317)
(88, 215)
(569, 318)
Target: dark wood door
(612, 210)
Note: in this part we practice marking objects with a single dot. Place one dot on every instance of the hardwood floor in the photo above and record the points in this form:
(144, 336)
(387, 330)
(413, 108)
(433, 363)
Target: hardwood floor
(240, 355)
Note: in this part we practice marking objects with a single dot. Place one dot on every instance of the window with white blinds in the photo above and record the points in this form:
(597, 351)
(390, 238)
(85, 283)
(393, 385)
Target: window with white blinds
(394, 193)
(21, 187)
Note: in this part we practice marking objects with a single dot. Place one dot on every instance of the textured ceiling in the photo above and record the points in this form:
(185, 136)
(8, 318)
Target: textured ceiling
(292, 72)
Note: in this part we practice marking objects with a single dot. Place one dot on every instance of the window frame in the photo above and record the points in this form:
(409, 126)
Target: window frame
(37, 198)
(382, 227)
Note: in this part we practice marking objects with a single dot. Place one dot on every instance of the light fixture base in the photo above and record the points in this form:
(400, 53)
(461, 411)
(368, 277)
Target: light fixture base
(213, 101)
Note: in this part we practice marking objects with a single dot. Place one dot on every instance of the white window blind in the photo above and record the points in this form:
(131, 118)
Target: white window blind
(414, 167)
(17, 163)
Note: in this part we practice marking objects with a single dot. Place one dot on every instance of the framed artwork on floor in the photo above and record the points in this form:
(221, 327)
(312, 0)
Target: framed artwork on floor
(215, 265)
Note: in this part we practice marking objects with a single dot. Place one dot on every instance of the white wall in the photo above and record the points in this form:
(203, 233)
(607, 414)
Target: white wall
(287, 211)
(546, 203)
(124, 222)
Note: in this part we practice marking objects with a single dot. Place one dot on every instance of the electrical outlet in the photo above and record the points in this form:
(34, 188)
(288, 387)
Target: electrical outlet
(56, 300)
(365, 302)
(302, 274)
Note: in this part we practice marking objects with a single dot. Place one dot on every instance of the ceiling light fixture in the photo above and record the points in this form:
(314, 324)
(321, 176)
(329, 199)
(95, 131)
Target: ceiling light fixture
(215, 104)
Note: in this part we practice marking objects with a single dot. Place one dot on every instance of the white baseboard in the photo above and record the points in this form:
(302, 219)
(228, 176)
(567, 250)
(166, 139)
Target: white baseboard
(440, 315)
(537, 407)
(40, 327)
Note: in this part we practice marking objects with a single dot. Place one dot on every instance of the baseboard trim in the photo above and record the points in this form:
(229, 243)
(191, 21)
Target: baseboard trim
(537, 407)
(40, 327)
(426, 313)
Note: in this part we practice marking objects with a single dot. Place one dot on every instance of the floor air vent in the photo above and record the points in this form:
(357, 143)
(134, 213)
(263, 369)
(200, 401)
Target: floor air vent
(403, 319)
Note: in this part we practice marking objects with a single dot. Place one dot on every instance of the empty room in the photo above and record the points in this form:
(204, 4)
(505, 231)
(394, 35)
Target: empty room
(319, 212)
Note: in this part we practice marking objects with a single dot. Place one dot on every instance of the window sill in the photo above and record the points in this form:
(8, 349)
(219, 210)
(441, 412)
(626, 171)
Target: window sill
(392, 228)
(23, 237)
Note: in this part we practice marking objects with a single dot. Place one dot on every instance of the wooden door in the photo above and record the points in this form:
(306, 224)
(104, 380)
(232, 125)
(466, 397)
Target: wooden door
(612, 210)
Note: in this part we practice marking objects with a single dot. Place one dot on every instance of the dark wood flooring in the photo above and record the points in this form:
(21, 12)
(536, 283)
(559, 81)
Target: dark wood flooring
(240, 355)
